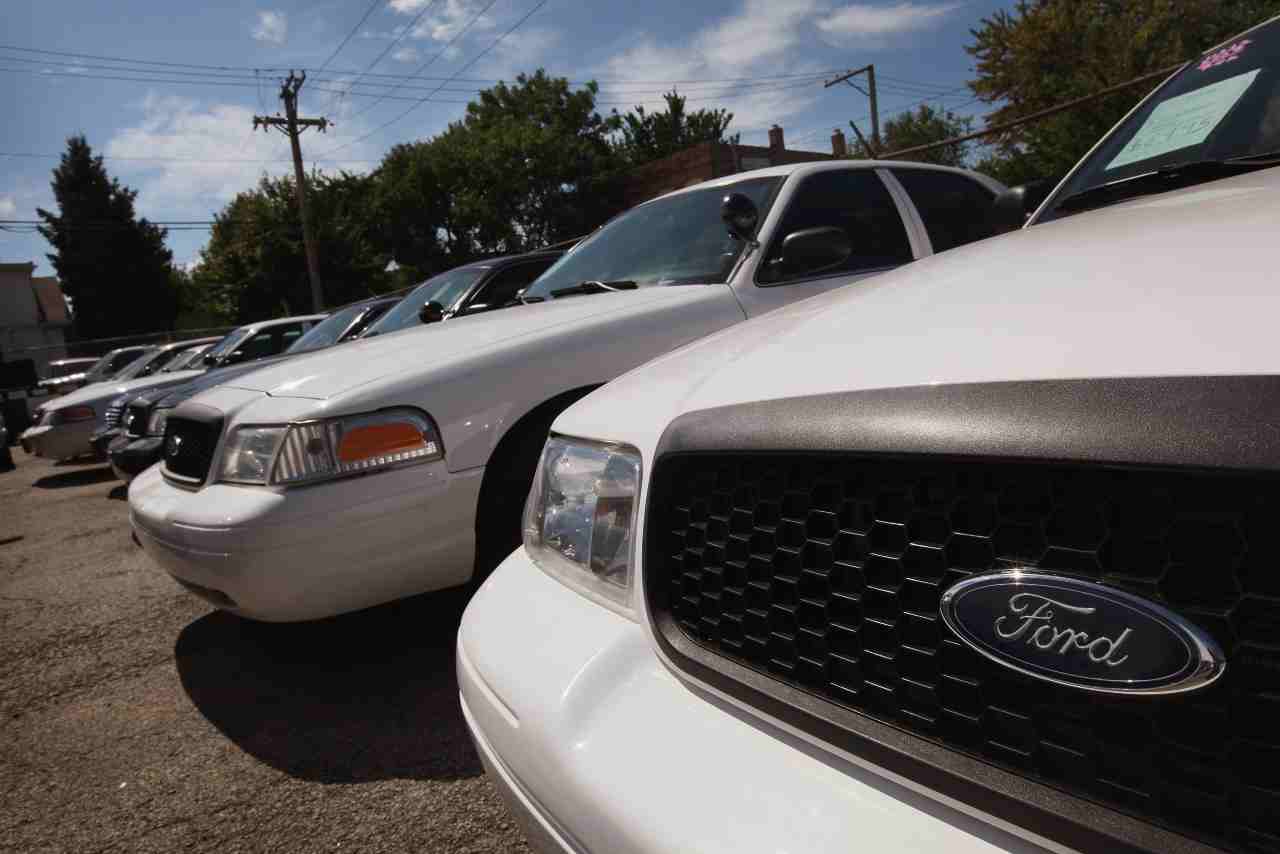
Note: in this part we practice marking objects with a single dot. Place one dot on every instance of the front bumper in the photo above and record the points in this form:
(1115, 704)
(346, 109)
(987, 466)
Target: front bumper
(131, 457)
(59, 442)
(597, 746)
(102, 438)
(315, 551)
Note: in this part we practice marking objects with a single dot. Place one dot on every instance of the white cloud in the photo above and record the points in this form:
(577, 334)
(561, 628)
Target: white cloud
(271, 27)
(8, 207)
(405, 54)
(861, 20)
(209, 153)
(761, 38)
(445, 20)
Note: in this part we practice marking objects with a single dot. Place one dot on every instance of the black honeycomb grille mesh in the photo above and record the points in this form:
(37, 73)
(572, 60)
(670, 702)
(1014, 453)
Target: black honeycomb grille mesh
(195, 449)
(825, 573)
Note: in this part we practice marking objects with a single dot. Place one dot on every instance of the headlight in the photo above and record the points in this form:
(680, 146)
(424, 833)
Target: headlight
(580, 517)
(155, 424)
(295, 454)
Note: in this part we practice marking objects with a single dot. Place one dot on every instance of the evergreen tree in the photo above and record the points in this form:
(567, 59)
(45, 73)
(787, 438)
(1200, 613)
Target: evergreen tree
(114, 266)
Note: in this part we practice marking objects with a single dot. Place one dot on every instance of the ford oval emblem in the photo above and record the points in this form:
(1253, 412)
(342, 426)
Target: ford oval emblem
(1080, 634)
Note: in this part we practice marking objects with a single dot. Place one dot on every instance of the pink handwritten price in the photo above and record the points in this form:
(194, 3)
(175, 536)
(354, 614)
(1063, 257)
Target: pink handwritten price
(1220, 57)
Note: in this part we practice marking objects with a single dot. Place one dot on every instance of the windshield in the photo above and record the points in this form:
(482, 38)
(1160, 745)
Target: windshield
(327, 331)
(186, 359)
(446, 289)
(1224, 105)
(233, 340)
(679, 238)
(139, 364)
(99, 369)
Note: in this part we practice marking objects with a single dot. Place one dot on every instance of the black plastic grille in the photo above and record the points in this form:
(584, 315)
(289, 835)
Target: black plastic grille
(825, 573)
(135, 418)
(195, 446)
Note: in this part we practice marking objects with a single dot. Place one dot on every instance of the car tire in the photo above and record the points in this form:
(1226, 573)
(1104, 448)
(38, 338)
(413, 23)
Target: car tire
(6, 459)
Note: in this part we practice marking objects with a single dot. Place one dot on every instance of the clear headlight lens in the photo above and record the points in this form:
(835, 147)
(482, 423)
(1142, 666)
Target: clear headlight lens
(155, 424)
(248, 453)
(580, 517)
(295, 454)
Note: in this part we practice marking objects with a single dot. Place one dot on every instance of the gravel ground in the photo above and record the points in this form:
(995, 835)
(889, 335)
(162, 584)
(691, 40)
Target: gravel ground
(135, 718)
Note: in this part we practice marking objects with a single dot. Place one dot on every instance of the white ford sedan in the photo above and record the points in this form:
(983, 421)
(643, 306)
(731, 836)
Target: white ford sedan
(978, 558)
(399, 465)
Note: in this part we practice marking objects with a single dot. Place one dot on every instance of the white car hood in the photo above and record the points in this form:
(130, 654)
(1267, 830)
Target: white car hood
(1180, 283)
(108, 390)
(332, 371)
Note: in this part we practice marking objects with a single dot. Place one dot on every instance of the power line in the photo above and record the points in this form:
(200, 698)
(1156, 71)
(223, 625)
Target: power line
(474, 60)
(249, 69)
(31, 154)
(354, 29)
(395, 42)
(620, 102)
(424, 65)
(221, 79)
(1040, 114)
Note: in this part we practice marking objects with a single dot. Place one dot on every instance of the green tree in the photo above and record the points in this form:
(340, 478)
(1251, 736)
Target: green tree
(411, 210)
(254, 265)
(530, 164)
(646, 136)
(1044, 52)
(114, 266)
(924, 126)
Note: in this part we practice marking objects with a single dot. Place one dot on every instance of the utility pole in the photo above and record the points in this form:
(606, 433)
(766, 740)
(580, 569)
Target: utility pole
(292, 126)
(870, 92)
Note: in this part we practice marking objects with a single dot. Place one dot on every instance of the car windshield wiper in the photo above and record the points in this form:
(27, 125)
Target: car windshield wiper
(594, 286)
(1165, 178)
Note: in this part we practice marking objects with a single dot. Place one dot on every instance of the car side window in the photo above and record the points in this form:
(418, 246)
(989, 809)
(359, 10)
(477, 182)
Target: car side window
(258, 346)
(504, 286)
(956, 210)
(287, 337)
(854, 200)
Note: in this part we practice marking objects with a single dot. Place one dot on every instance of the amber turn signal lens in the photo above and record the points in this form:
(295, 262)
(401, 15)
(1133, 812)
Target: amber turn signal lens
(376, 440)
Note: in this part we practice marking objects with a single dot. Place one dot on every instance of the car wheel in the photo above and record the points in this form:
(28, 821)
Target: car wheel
(6, 459)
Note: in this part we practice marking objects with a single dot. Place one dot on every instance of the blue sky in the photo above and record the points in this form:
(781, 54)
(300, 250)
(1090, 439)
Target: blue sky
(182, 137)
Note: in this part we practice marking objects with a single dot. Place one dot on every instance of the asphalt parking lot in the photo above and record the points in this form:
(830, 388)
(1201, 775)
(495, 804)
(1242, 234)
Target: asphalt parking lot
(135, 718)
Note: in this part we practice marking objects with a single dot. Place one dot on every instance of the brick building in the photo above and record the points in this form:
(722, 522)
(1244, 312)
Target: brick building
(715, 160)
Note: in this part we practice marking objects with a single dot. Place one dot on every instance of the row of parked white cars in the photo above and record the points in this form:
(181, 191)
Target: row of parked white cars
(831, 538)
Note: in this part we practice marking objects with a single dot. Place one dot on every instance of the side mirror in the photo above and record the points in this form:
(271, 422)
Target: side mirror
(1010, 210)
(431, 312)
(740, 215)
(210, 359)
(812, 250)
(234, 356)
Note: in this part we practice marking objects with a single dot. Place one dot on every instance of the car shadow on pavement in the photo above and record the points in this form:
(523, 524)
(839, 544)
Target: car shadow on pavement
(119, 493)
(363, 697)
(79, 477)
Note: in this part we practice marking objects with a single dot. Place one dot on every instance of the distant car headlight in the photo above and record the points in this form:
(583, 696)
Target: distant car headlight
(579, 521)
(297, 454)
(155, 424)
(72, 415)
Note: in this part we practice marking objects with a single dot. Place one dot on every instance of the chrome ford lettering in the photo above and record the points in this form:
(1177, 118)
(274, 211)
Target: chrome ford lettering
(1046, 636)
(1080, 634)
